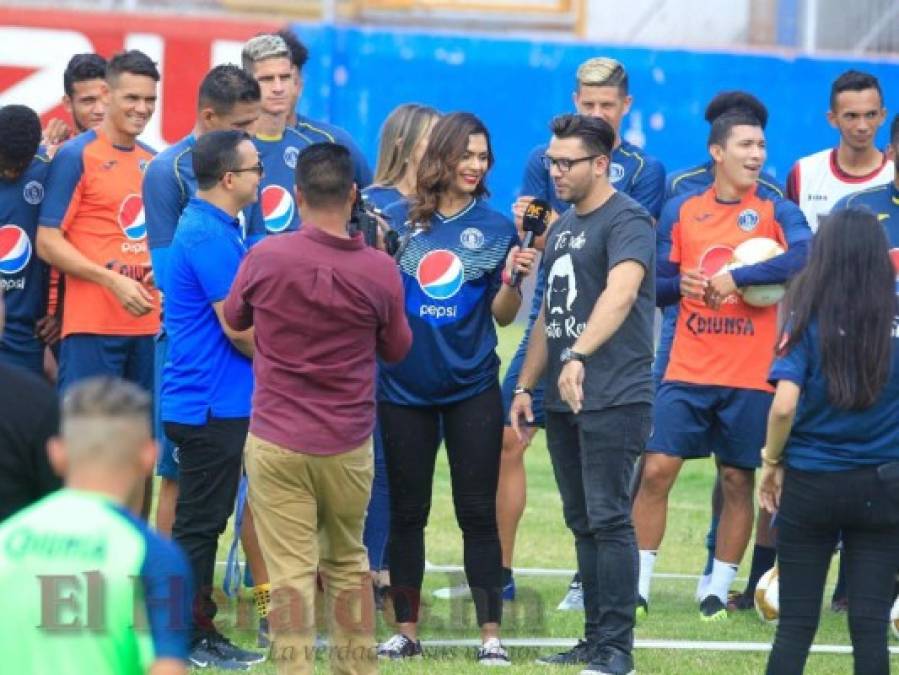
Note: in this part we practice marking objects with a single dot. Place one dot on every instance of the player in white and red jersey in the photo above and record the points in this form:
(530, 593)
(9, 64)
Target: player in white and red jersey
(818, 181)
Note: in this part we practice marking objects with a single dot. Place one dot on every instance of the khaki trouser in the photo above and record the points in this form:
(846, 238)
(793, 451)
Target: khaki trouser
(309, 512)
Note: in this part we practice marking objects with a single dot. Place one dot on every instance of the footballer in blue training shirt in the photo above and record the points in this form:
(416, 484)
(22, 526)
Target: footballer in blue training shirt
(316, 130)
(23, 276)
(601, 91)
(228, 99)
(267, 58)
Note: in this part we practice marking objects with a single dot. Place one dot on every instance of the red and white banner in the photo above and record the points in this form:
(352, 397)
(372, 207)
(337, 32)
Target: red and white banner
(36, 45)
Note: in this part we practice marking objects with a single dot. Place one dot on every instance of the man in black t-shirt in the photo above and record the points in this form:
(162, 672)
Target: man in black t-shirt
(594, 338)
(29, 416)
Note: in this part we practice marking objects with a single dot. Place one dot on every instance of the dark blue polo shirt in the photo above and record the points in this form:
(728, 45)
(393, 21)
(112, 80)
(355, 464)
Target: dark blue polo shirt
(205, 374)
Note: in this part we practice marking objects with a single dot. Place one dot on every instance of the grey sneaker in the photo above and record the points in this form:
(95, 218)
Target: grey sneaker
(230, 651)
(574, 598)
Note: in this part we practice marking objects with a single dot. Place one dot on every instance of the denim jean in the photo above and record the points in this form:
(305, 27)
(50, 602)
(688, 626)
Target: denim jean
(815, 507)
(593, 456)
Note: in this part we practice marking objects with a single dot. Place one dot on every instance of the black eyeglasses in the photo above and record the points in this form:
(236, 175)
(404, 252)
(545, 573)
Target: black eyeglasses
(564, 165)
(257, 168)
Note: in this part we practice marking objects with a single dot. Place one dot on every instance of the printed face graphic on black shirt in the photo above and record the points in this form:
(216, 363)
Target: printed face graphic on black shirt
(561, 287)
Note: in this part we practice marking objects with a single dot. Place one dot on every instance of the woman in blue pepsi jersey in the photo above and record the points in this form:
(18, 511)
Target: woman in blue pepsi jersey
(457, 262)
(833, 425)
(404, 137)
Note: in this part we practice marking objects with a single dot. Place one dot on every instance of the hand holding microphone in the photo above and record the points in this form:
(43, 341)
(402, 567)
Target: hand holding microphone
(534, 223)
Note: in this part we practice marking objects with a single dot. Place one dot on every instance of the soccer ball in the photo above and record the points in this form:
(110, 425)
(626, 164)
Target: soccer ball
(894, 618)
(750, 252)
(767, 596)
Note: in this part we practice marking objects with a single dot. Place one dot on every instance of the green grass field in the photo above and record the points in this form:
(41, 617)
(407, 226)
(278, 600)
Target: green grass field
(543, 541)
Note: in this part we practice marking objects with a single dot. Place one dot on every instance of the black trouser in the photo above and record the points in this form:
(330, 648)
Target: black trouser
(593, 455)
(209, 461)
(473, 431)
(814, 508)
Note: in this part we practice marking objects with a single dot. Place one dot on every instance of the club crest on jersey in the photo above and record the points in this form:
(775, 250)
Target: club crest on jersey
(142, 165)
(440, 274)
(748, 220)
(15, 249)
(33, 193)
(277, 208)
(616, 172)
(290, 156)
(132, 219)
(472, 239)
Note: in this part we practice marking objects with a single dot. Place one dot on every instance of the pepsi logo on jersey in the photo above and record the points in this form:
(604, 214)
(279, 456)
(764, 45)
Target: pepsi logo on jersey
(278, 208)
(15, 254)
(440, 275)
(133, 222)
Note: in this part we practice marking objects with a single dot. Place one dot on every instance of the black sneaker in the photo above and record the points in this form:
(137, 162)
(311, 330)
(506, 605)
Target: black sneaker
(492, 653)
(231, 652)
(204, 654)
(611, 662)
(400, 647)
(740, 602)
(712, 609)
(581, 654)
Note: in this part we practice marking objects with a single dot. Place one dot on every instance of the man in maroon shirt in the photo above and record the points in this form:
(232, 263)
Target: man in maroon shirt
(323, 305)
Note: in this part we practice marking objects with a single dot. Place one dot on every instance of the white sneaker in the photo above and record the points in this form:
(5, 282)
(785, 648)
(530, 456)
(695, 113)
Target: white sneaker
(574, 598)
(492, 653)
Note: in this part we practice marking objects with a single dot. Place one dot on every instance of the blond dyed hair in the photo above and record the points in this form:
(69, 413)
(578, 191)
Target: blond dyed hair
(602, 71)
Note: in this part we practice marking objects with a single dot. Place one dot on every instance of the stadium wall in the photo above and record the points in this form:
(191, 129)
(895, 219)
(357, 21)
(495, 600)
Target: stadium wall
(358, 74)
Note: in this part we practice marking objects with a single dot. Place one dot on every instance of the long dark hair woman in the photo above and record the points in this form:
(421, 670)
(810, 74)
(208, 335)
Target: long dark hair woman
(456, 265)
(831, 458)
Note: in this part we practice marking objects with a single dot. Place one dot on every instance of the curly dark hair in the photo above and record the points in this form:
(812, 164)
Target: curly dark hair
(446, 146)
(20, 136)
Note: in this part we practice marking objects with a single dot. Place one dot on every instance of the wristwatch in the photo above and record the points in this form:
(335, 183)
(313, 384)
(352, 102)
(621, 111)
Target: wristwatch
(520, 389)
(568, 354)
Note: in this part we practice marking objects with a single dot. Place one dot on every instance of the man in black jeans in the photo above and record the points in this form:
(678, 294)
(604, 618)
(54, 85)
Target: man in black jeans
(594, 337)
(207, 381)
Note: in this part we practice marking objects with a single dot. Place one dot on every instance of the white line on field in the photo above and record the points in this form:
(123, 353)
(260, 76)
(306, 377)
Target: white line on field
(686, 645)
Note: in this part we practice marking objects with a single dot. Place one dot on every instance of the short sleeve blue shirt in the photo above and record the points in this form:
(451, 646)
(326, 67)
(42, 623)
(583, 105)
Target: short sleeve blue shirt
(205, 374)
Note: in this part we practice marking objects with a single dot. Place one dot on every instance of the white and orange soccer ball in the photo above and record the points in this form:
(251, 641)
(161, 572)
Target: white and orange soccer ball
(767, 596)
(750, 252)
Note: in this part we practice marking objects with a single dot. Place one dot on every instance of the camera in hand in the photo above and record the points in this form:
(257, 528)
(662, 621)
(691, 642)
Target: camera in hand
(364, 219)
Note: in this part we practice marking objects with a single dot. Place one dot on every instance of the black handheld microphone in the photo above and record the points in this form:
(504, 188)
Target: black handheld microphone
(534, 223)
